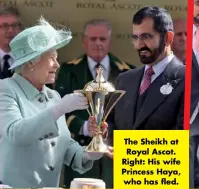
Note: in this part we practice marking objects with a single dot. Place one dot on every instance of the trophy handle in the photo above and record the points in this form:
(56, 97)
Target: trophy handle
(89, 113)
(118, 91)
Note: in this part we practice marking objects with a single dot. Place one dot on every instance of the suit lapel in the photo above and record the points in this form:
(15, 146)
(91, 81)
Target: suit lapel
(114, 72)
(195, 63)
(131, 96)
(116, 67)
(194, 83)
(154, 97)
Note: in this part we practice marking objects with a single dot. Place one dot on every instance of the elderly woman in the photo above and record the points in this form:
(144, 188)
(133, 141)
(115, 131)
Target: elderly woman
(35, 140)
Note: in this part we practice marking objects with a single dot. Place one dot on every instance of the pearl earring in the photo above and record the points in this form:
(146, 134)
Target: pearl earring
(31, 69)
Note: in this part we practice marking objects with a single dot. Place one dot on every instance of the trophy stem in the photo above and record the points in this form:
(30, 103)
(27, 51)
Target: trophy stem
(97, 93)
(97, 144)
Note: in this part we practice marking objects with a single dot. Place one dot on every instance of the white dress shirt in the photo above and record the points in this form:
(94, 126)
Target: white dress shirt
(105, 63)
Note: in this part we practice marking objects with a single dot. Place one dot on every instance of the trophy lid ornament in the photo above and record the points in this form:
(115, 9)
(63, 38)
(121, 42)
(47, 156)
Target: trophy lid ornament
(99, 84)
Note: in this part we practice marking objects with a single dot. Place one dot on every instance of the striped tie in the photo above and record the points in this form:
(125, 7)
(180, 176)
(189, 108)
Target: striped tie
(147, 80)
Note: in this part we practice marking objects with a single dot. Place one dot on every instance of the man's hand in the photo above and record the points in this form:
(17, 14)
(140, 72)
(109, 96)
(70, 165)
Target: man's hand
(110, 152)
(93, 129)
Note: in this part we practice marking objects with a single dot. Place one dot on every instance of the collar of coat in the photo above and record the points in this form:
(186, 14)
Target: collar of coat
(121, 65)
(29, 90)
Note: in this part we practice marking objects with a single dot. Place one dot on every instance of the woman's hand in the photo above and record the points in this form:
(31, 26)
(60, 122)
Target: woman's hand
(69, 103)
(75, 101)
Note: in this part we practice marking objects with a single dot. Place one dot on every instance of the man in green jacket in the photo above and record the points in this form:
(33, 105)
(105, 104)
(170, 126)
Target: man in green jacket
(74, 75)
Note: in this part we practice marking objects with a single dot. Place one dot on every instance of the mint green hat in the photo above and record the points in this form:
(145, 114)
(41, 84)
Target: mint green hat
(36, 40)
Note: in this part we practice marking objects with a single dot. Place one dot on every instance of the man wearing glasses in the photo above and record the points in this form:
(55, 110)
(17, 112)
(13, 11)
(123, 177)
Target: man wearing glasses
(10, 26)
(154, 98)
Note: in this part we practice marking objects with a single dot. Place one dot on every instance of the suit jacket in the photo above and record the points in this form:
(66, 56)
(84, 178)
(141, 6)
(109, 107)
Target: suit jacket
(194, 95)
(194, 128)
(194, 83)
(33, 145)
(156, 112)
(74, 75)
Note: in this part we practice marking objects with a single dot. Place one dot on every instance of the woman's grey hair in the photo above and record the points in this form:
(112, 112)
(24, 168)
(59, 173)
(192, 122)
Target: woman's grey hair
(97, 22)
(19, 69)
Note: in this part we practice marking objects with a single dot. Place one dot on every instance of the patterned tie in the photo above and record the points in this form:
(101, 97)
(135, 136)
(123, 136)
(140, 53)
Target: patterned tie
(5, 72)
(147, 80)
(197, 40)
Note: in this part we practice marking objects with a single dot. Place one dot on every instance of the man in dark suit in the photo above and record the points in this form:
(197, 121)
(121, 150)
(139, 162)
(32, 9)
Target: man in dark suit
(194, 127)
(154, 98)
(75, 74)
(10, 26)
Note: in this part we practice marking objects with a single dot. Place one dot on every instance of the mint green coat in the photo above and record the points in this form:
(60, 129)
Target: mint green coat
(33, 146)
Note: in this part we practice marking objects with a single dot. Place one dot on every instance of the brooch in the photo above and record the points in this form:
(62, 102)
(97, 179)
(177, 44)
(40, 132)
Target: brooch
(166, 89)
(49, 94)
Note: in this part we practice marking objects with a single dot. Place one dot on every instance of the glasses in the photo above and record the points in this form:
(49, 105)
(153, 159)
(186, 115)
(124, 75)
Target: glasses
(143, 37)
(14, 26)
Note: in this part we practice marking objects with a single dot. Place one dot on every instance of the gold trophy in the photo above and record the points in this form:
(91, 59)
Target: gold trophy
(102, 97)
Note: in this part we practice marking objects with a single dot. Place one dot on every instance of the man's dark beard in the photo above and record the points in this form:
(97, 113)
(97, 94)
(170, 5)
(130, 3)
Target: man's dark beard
(154, 54)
